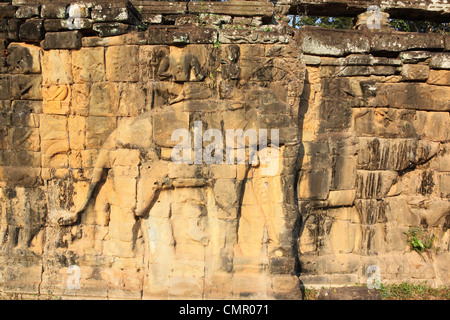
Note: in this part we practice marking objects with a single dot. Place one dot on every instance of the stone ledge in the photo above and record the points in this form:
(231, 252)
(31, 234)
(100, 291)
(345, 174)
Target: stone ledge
(181, 35)
(234, 8)
(158, 7)
(332, 42)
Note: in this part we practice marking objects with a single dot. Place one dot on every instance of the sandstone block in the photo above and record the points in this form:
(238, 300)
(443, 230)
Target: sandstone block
(7, 11)
(162, 121)
(239, 8)
(26, 87)
(333, 121)
(431, 125)
(25, 139)
(374, 184)
(342, 263)
(384, 154)
(9, 29)
(314, 184)
(57, 67)
(77, 132)
(374, 122)
(344, 173)
(56, 99)
(440, 60)
(80, 99)
(32, 30)
(97, 130)
(252, 36)
(26, 113)
(25, 176)
(5, 87)
(128, 15)
(326, 42)
(20, 158)
(414, 56)
(413, 72)
(179, 35)
(122, 63)
(54, 25)
(62, 40)
(26, 12)
(444, 185)
(439, 77)
(88, 65)
(152, 7)
(23, 58)
(132, 100)
(54, 11)
(104, 99)
(109, 29)
(53, 127)
(399, 41)
(341, 198)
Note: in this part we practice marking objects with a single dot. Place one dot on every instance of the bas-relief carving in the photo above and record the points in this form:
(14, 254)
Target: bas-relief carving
(245, 220)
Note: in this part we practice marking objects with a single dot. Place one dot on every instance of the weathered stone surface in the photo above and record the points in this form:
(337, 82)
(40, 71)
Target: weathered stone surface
(122, 63)
(7, 11)
(26, 12)
(26, 87)
(57, 67)
(411, 72)
(53, 25)
(56, 99)
(32, 29)
(251, 36)
(440, 60)
(62, 40)
(108, 29)
(5, 87)
(240, 8)
(3, 46)
(88, 133)
(416, 96)
(88, 65)
(23, 58)
(414, 56)
(439, 77)
(104, 99)
(120, 11)
(318, 41)
(384, 154)
(98, 130)
(181, 35)
(402, 41)
(152, 7)
(54, 11)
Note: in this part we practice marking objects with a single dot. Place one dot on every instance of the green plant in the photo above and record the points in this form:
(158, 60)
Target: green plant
(420, 240)
(142, 26)
(216, 43)
(410, 291)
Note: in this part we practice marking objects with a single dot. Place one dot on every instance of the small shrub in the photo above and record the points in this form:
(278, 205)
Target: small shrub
(420, 240)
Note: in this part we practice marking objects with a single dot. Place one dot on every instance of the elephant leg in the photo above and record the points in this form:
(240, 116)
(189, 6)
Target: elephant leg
(103, 161)
(151, 181)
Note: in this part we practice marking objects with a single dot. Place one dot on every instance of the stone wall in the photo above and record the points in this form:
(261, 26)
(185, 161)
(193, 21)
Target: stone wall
(86, 171)
(375, 137)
